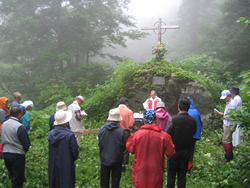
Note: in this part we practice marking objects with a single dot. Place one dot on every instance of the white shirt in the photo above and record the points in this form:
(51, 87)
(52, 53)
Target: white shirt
(145, 104)
(122, 105)
(229, 105)
(238, 101)
(74, 123)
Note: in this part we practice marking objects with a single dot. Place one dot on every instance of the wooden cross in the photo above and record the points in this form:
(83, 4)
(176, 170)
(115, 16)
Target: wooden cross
(160, 28)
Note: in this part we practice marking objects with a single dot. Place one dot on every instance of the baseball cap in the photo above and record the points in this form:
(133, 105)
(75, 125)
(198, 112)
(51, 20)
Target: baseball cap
(224, 94)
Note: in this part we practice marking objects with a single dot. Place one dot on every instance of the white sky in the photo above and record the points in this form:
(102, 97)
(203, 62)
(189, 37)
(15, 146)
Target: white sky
(146, 14)
(153, 9)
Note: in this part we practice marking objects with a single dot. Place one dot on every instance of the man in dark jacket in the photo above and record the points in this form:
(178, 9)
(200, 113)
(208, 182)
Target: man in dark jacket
(16, 143)
(182, 130)
(112, 143)
(59, 106)
(63, 151)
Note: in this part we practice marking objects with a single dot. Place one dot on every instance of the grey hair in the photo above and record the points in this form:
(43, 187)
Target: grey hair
(16, 94)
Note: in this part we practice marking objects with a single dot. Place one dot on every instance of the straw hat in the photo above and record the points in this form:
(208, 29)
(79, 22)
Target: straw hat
(80, 97)
(114, 115)
(61, 106)
(62, 117)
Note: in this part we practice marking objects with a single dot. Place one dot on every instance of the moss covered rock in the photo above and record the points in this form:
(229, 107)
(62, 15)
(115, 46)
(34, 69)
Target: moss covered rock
(134, 80)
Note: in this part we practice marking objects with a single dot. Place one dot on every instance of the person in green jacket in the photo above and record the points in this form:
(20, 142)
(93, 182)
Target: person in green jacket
(25, 120)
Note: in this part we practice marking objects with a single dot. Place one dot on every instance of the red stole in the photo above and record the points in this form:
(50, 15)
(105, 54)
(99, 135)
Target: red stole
(150, 104)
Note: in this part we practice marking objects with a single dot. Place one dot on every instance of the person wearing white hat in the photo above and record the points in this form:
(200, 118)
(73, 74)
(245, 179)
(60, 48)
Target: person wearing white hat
(227, 125)
(25, 120)
(63, 151)
(76, 121)
(112, 143)
(59, 106)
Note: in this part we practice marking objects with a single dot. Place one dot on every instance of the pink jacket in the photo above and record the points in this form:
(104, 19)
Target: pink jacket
(162, 118)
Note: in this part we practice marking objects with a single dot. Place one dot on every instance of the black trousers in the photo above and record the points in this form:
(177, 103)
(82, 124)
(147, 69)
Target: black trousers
(116, 175)
(178, 164)
(16, 169)
(126, 153)
(192, 150)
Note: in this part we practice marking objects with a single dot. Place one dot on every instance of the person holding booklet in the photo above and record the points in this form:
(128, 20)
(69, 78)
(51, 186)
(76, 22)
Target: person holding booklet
(227, 125)
(76, 120)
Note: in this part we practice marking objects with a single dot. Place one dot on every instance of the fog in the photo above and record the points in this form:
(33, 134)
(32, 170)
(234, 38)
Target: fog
(44, 41)
(146, 14)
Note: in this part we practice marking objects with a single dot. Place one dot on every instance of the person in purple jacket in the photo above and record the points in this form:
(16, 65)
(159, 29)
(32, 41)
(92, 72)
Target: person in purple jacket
(194, 113)
(162, 115)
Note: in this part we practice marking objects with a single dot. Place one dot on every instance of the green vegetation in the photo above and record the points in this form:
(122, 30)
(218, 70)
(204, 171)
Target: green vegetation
(130, 74)
(207, 172)
(46, 52)
(45, 44)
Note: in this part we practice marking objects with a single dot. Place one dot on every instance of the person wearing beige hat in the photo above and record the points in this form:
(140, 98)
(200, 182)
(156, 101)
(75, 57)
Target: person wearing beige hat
(59, 106)
(63, 151)
(162, 115)
(112, 143)
(76, 121)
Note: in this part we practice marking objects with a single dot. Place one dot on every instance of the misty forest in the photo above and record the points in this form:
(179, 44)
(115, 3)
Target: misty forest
(54, 50)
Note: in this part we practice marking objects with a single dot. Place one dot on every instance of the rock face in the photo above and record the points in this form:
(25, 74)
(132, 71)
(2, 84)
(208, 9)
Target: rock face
(170, 93)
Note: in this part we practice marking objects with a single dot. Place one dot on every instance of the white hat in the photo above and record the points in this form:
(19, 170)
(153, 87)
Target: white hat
(80, 97)
(28, 103)
(61, 106)
(114, 115)
(62, 117)
(224, 94)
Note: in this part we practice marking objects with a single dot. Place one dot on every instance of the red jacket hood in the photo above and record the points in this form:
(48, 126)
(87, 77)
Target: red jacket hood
(151, 127)
(162, 114)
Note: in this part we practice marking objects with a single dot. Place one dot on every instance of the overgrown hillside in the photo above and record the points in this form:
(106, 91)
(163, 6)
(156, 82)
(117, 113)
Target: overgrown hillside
(106, 96)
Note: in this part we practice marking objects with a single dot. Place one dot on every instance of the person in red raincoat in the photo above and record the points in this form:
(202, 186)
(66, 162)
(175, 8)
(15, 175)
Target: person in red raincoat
(149, 144)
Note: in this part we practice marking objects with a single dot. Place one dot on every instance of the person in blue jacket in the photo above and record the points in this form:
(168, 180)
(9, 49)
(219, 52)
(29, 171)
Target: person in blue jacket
(63, 152)
(194, 113)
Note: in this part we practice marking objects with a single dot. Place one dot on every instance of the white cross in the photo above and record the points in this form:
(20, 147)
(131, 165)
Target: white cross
(160, 27)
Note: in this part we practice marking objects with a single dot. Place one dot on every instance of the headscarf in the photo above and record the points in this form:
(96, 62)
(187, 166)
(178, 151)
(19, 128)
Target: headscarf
(149, 116)
(3, 102)
(27, 103)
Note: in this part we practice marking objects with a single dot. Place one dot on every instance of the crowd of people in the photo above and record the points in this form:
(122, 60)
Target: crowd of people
(160, 136)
